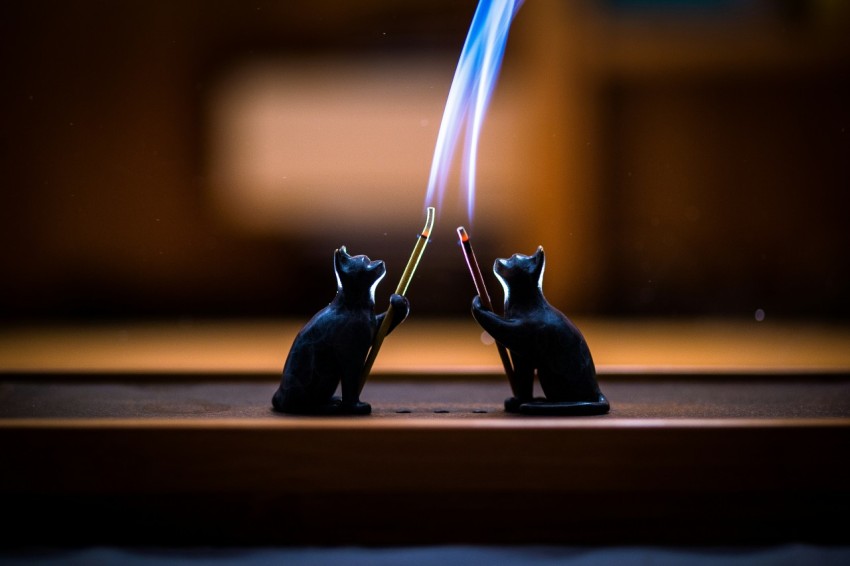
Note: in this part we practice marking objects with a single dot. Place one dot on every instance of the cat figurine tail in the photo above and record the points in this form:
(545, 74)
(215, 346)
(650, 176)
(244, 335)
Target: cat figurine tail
(541, 339)
(330, 350)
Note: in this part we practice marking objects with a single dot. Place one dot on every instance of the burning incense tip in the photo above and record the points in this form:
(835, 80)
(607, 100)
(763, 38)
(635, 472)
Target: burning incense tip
(474, 269)
(429, 222)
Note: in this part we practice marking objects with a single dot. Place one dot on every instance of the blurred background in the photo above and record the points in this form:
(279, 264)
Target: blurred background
(189, 160)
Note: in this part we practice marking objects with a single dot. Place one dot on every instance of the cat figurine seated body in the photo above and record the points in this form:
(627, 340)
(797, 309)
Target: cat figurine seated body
(539, 337)
(332, 347)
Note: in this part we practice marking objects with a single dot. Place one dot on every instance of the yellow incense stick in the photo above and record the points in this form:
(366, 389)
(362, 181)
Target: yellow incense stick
(401, 289)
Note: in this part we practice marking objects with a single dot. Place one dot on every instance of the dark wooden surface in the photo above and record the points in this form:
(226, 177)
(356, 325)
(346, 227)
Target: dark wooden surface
(636, 395)
(180, 459)
(150, 434)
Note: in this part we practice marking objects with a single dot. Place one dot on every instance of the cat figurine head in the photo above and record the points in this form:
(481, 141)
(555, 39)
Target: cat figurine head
(357, 276)
(521, 275)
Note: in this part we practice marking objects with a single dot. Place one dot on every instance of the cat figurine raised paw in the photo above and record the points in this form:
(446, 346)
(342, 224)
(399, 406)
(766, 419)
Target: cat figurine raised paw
(332, 347)
(541, 338)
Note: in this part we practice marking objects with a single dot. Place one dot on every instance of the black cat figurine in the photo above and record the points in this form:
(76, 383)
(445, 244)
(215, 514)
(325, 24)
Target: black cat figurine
(332, 347)
(539, 337)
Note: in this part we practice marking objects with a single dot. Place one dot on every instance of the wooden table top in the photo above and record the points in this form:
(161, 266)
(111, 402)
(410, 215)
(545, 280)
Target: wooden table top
(160, 433)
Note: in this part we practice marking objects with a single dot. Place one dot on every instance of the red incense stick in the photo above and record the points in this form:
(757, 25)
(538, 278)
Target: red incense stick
(481, 289)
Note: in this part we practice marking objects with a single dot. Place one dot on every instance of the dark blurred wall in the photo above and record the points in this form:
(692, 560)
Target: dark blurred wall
(104, 210)
(757, 214)
(725, 159)
(718, 167)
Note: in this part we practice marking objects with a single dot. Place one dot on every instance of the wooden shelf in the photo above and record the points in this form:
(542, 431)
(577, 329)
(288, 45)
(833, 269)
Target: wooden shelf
(193, 458)
(151, 434)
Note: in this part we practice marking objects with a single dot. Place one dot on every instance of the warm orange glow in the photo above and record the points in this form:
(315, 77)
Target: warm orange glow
(426, 232)
(293, 142)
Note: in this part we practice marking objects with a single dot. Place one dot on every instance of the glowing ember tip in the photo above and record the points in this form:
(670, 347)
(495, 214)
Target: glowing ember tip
(461, 232)
(429, 222)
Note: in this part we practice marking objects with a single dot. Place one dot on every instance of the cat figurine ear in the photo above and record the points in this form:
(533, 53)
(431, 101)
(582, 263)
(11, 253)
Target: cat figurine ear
(541, 340)
(330, 350)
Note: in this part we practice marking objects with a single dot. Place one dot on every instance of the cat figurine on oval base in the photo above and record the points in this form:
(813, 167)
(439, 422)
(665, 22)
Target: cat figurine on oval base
(540, 337)
(331, 348)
